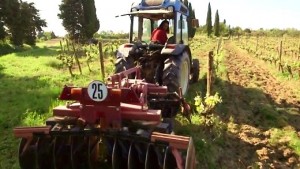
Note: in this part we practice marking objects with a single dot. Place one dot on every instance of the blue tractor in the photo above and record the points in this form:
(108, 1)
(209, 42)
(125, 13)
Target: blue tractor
(170, 64)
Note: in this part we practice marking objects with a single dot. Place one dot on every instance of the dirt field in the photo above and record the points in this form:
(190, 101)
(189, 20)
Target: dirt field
(257, 103)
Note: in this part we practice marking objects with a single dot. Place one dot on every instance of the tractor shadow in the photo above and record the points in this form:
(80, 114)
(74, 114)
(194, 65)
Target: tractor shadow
(40, 52)
(216, 147)
(20, 96)
(248, 105)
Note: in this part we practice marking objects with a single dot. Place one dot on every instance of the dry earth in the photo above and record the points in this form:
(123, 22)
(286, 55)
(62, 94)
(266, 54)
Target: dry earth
(257, 102)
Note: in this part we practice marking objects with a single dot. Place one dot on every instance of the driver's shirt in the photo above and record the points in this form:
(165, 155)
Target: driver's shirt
(159, 35)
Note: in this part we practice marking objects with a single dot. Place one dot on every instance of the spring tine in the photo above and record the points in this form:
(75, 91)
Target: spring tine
(169, 160)
(44, 153)
(151, 161)
(27, 153)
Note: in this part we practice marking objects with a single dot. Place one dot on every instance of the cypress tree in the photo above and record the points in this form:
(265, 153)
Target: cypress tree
(217, 24)
(79, 18)
(208, 21)
(191, 29)
(71, 14)
(91, 22)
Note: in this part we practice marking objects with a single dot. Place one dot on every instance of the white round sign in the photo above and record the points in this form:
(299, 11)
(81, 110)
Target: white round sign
(97, 91)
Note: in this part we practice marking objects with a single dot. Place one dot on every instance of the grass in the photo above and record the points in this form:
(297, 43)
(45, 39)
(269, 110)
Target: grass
(31, 81)
(286, 137)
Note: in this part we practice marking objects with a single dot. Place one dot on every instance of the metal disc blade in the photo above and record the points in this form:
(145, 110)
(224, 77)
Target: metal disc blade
(44, 153)
(27, 154)
(151, 158)
(79, 152)
(190, 162)
(134, 158)
(62, 152)
(116, 156)
(120, 154)
(169, 160)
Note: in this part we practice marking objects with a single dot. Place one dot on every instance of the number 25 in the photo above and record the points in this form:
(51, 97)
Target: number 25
(97, 93)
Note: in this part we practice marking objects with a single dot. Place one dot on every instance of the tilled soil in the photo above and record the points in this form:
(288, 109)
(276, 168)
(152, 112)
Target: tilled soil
(257, 102)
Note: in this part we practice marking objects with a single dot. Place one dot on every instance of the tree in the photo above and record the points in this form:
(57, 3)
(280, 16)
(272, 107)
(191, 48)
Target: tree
(22, 21)
(2, 30)
(208, 21)
(12, 20)
(79, 18)
(91, 22)
(191, 29)
(217, 24)
(31, 22)
(71, 14)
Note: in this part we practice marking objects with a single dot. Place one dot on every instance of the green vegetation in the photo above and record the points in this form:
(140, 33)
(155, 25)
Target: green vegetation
(208, 21)
(22, 21)
(217, 24)
(31, 81)
(79, 19)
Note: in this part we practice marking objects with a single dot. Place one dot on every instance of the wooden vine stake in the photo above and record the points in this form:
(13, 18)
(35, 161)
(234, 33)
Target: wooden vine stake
(76, 58)
(101, 61)
(280, 53)
(299, 51)
(209, 73)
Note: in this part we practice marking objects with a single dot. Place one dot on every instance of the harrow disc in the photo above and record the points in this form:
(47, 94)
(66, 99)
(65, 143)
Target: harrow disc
(153, 158)
(79, 151)
(44, 153)
(136, 156)
(120, 154)
(62, 152)
(27, 153)
(169, 160)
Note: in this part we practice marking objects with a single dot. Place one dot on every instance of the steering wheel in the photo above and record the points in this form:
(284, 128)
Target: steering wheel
(171, 40)
(141, 44)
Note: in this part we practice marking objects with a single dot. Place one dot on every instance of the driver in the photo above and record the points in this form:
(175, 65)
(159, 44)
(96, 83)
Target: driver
(159, 34)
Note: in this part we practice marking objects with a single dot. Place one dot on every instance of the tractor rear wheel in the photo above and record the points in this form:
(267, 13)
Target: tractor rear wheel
(177, 72)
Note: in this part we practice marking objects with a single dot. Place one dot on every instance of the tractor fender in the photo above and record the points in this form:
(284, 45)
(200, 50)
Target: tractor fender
(173, 49)
(124, 50)
(176, 50)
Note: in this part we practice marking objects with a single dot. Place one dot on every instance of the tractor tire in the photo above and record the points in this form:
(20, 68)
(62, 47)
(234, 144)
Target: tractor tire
(122, 64)
(195, 71)
(176, 73)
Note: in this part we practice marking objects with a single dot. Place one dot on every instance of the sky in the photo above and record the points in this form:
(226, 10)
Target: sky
(252, 14)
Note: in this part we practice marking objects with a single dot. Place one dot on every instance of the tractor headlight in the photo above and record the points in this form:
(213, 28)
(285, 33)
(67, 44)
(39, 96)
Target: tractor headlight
(133, 10)
(170, 9)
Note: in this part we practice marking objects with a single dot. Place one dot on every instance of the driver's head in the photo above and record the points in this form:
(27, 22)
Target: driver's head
(164, 25)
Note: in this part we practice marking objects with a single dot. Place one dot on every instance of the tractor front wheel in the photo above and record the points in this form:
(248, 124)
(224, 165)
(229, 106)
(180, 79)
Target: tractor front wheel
(122, 64)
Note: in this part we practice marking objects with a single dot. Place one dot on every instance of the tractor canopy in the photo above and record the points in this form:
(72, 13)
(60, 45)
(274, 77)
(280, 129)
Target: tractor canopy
(146, 15)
